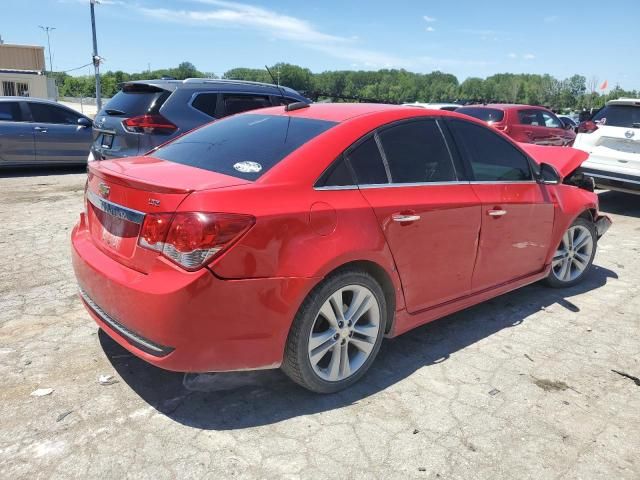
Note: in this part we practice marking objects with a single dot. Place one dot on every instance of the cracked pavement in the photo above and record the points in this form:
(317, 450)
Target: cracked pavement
(519, 387)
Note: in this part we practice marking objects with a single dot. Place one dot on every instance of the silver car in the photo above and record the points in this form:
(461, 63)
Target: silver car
(35, 131)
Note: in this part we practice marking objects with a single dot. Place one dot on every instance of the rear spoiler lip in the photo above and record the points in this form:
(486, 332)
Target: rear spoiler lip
(97, 168)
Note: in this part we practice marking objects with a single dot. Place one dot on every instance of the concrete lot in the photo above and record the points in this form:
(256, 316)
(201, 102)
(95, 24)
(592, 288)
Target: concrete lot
(519, 387)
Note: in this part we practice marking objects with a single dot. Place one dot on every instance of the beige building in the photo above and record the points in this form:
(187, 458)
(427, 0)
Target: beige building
(22, 72)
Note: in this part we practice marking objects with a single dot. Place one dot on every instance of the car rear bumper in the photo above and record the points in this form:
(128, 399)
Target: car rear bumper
(613, 180)
(187, 322)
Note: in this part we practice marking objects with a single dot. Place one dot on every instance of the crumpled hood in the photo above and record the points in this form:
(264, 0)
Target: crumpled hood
(564, 159)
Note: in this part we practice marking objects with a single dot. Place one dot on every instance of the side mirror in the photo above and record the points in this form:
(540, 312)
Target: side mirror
(548, 174)
(84, 122)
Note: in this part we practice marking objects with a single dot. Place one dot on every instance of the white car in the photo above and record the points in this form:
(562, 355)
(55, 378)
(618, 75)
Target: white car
(612, 140)
(434, 106)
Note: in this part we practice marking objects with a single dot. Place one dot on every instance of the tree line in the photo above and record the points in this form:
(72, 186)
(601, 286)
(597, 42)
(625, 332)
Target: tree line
(387, 85)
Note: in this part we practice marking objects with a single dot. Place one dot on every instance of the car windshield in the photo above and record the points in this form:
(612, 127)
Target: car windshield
(481, 113)
(244, 146)
(627, 116)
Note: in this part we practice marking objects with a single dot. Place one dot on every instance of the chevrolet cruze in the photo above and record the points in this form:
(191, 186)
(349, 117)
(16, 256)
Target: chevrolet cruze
(300, 236)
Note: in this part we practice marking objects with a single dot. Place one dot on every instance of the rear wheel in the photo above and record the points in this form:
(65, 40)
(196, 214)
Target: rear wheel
(337, 332)
(574, 256)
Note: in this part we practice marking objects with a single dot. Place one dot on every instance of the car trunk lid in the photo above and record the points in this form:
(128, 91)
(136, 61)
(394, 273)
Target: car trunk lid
(120, 193)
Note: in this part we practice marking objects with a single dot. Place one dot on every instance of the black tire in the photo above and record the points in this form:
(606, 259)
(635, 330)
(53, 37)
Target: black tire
(553, 281)
(296, 363)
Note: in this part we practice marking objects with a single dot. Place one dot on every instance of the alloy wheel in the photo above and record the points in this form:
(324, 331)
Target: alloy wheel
(344, 333)
(573, 254)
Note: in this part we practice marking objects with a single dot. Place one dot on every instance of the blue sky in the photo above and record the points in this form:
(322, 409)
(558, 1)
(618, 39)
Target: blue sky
(463, 37)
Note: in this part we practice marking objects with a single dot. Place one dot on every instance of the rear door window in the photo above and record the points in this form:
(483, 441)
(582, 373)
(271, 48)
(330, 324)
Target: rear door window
(531, 117)
(367, 164)
(416, 152)
(10, 112)
(492, 158)
(482, 113)
(237, 103)
(44, 113)
(550, 120)
(627, 116)
(337, 175)
(245, 146)
(207, 103)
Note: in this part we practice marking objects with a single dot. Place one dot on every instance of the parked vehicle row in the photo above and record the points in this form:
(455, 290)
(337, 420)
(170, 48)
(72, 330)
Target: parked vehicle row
(300, 236)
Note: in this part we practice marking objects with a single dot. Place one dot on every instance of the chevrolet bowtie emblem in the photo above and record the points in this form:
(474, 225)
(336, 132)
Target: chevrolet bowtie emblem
(104, 190)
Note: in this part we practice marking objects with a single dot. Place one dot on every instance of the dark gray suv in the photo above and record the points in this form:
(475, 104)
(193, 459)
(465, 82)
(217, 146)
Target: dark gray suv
(147, 113)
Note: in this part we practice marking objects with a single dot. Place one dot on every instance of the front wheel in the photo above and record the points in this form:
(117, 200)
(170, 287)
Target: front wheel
(574, 256)
(337, 332)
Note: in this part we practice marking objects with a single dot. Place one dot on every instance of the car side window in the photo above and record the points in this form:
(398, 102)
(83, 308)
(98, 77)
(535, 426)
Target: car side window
(206, 103)
(236, 103)
(550, 120)
(416, 152)
(366, 162)
(492, 158)
(10, 112)
(530, 117)
(43, 113)
(337, 175)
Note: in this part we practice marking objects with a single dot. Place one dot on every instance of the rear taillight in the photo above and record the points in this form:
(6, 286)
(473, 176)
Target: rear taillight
(192, 239)
(149, 124)
(587, 127)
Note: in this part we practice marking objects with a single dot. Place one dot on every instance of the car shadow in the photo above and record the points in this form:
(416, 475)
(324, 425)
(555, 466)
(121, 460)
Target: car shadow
(619, 203)
(268, 396)
(42, 171)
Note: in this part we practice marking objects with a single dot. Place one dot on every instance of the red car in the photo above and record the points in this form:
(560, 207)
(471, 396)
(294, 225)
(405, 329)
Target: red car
(524, 123)
(299, 237)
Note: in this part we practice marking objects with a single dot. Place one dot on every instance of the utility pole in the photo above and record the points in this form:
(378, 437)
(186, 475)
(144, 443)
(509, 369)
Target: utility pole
(96, 58)
(47, 29)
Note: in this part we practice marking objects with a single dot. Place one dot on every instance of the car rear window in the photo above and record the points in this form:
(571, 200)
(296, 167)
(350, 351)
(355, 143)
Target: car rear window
(627, 116)
(244, 146)
(136, 100)
(484, 114)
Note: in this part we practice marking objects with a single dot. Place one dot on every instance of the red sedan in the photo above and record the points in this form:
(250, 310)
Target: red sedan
(299, 237)
(524, 123)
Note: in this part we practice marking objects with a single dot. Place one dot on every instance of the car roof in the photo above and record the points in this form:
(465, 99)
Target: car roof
(335, 112)
(625, 101)
(29, 99)
(504, 106)
(210, 83)
(434, 106)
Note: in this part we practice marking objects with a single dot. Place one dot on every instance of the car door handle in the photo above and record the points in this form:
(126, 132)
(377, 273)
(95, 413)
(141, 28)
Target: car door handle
(405, 217)
(497, 213)
(40, 129)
